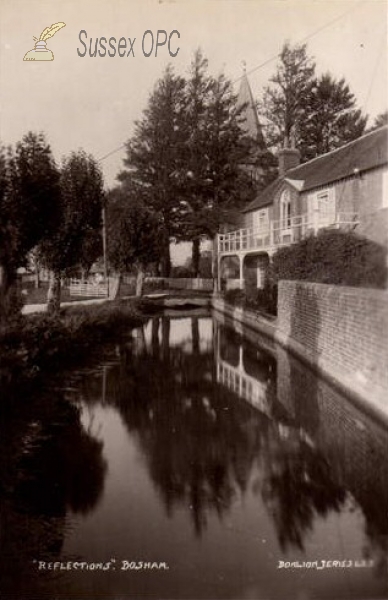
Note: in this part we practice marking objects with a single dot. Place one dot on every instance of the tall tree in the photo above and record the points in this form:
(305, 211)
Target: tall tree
(283, 101)
(134, 233)
(331, 118)
(29, 201)
(217, 147)
(79, 217)
(154, 158)
(198, 89)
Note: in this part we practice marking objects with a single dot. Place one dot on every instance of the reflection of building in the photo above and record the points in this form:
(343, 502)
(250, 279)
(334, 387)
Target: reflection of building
(346, 188)
(248, 377)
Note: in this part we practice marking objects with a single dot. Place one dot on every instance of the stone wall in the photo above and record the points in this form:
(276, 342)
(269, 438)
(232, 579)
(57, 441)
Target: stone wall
(342, 330)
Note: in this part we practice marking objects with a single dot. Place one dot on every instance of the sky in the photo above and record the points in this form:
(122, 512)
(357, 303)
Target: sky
(92, 103)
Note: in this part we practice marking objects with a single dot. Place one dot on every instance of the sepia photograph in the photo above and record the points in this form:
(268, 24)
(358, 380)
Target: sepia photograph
(193, 300)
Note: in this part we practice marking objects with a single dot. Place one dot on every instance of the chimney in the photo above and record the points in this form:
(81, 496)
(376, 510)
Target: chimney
(289, 158)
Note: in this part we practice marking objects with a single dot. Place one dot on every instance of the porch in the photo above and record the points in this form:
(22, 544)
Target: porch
(276, 234)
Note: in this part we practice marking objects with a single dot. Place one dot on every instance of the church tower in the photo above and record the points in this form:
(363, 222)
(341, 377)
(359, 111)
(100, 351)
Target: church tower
(251, 126)
(261, 163)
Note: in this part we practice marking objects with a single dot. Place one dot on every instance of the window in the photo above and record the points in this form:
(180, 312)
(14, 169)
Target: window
(322, 208)
(260, 219)
(285, 210)
(325, 204)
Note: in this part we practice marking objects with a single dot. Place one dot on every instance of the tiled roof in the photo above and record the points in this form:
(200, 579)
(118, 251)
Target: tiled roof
(265, 198)
(365, 153)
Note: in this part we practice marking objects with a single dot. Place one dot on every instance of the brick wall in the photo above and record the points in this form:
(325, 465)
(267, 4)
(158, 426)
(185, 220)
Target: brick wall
(354, 445)
(343, 330)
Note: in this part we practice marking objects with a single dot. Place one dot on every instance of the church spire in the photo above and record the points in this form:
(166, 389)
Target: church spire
(251, 126)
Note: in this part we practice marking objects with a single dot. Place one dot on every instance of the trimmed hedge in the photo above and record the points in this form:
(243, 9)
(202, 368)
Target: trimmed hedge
(335, 257)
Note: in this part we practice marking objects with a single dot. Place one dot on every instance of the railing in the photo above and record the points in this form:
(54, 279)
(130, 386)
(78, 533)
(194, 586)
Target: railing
(245, 386)
(283, 232)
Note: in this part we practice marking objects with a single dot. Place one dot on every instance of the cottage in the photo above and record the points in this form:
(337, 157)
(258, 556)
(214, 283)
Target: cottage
(346, 188)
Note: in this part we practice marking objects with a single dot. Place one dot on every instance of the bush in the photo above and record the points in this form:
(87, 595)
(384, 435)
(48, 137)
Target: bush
(235, 297)
(333, 257)
(262, 300)
(42, 343)
(267, 298)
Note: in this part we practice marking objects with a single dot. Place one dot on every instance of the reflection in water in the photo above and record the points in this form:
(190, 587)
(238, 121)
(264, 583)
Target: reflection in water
(49, 466)
(296, 481)
(234, 449)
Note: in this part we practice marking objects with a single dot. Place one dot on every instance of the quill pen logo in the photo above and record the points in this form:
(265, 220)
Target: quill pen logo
(41, 52)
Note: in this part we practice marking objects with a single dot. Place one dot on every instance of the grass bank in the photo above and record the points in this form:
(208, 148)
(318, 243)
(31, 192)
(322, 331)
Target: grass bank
(41, 344)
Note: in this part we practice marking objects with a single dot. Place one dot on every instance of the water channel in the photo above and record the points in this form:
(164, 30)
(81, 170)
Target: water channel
(193, 460)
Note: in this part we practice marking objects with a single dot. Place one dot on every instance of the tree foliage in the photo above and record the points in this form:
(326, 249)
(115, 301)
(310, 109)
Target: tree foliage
(217, 147)
(134, 233)
(30, 196)
(29, 200)
(154, 158)
(330, 119)
(78, 219)
(380, 121)
(186, 154)
(283, 101)
(318, 114)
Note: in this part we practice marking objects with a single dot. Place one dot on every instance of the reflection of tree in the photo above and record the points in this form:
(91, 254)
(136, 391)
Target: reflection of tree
(48, 465)
(356, 454)
(201, 442)
(297, 487)
(297, 482)
(199, 445)
(376, 547)
(203, 445)
(195, 334)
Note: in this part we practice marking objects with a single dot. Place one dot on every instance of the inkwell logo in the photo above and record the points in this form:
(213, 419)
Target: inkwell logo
(41, 52)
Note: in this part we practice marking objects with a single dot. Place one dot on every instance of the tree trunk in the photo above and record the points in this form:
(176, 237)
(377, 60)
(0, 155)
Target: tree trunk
(166, 262)
(196, 253)
(195, 335)
(166, 338)
(8, 296)
(37, 277)
(54, 293)
(155, 337)
(139, 281)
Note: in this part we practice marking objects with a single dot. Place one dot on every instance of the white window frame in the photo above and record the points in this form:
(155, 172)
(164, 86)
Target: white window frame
(326, 207)
(260, 220)
(322, 210)
(285, 212)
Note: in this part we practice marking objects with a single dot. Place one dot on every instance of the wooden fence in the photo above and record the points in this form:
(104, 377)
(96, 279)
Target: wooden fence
(80, 288)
